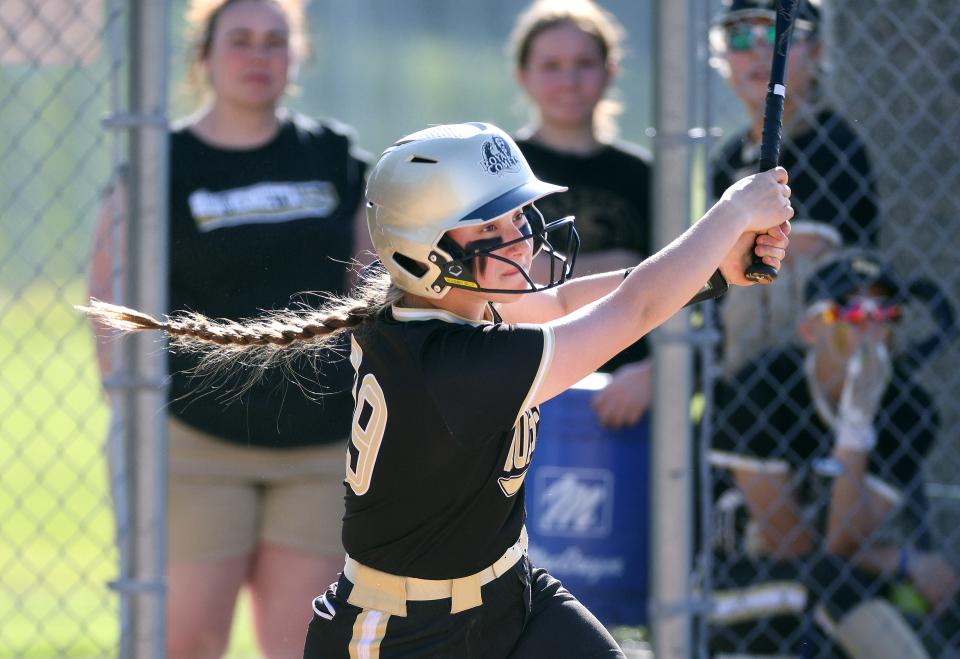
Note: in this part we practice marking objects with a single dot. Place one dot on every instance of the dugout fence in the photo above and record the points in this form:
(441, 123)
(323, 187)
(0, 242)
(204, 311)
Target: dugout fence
(879, 130)
(84, 95)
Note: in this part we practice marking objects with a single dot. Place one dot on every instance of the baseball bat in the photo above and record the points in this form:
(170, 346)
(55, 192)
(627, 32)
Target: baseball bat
(758, 271)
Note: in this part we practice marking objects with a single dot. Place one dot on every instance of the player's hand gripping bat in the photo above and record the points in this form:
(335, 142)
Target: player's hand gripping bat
(758, 271)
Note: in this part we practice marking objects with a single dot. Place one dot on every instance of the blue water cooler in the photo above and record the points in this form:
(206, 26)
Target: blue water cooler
(588, 512)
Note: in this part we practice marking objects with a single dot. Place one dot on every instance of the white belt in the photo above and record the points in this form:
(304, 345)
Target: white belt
(381, 591)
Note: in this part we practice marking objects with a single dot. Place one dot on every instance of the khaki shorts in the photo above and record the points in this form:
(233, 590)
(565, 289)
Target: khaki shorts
(223, 499)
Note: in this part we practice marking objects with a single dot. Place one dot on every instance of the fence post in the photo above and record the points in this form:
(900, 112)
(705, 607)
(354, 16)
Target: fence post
(143, 393)
(672, 531)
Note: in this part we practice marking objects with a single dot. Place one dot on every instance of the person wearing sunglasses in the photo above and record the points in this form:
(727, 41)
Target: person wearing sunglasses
(830, 172)
(831, 175)
(823, 447)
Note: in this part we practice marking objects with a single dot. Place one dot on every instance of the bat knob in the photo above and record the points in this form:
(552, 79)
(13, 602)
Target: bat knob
(760, 273)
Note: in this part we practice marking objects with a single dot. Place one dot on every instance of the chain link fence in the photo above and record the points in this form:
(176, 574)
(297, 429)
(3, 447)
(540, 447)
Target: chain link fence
(69, 537)
(57, 538)
(832, 528)
(890, 71)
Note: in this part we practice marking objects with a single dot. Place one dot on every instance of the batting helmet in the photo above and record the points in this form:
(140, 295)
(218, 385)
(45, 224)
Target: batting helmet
(452, 176)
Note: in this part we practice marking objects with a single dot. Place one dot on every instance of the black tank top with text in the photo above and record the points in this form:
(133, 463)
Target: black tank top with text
(258, 229)
(611, 196)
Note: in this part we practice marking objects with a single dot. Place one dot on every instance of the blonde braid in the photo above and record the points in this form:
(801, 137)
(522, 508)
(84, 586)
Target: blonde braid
(279, 335)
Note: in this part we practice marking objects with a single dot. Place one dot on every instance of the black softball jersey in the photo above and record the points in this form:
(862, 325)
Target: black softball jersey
(443, 435)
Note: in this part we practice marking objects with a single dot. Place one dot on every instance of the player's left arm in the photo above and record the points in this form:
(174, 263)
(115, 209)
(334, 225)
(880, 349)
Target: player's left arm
(557, 302)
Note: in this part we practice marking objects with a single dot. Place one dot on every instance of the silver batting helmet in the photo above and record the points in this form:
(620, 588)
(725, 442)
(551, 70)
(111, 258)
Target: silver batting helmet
(452, 176)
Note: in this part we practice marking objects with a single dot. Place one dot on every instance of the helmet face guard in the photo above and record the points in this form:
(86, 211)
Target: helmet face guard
(558, 240)
(454, 176)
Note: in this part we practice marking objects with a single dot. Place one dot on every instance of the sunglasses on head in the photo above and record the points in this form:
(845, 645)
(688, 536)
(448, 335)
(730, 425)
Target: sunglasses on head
(860, 311)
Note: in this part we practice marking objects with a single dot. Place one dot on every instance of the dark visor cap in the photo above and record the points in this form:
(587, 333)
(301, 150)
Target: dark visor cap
(808, 13)
(852, 271)
(521, 195)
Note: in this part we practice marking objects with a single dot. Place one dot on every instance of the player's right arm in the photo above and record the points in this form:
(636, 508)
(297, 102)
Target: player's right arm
(658, 288)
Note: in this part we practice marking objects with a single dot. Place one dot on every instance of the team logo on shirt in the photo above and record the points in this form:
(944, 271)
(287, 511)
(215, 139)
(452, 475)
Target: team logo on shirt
(521, 451)
(262, 203)
(498, 158)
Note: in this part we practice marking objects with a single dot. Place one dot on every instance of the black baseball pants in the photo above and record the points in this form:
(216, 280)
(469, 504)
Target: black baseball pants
(526, 614)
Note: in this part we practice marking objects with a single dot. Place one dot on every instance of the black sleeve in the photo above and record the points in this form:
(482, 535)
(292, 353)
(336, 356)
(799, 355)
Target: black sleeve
(743, 437)
(758, 414)
(483, 378)
(864, 215)
(336, 142)
(844, 181)
(907, 427)
(358, 161)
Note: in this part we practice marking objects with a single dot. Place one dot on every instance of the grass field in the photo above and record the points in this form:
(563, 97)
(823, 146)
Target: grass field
(56, 528)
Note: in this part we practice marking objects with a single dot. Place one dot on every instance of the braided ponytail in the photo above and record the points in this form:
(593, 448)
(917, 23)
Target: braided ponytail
(278, 336)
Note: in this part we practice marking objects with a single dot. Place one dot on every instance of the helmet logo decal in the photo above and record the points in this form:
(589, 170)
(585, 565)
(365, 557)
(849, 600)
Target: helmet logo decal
(498, 157)
(866, 267)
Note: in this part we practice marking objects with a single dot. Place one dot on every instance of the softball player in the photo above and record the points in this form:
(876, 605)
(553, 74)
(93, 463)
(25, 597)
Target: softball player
(454, 347)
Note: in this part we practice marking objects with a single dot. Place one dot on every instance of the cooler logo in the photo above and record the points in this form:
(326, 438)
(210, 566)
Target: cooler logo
(498, 157)
(574, 502)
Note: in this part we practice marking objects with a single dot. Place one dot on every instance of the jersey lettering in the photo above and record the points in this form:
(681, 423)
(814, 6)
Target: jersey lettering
(369, 425)
(521, 451)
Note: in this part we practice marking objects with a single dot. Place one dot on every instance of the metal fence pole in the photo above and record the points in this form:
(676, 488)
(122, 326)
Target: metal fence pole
(672, 476)
(144, 394)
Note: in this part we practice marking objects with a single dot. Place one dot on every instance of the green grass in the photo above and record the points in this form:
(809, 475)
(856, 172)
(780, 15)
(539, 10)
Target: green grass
(56, 551)
(56, 526)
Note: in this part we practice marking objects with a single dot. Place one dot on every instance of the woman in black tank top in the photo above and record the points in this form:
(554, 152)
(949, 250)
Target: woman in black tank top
(567, 58)
(264, 204)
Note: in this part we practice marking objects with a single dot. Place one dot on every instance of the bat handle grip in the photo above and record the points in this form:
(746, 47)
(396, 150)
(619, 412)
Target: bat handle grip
(759, 272)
